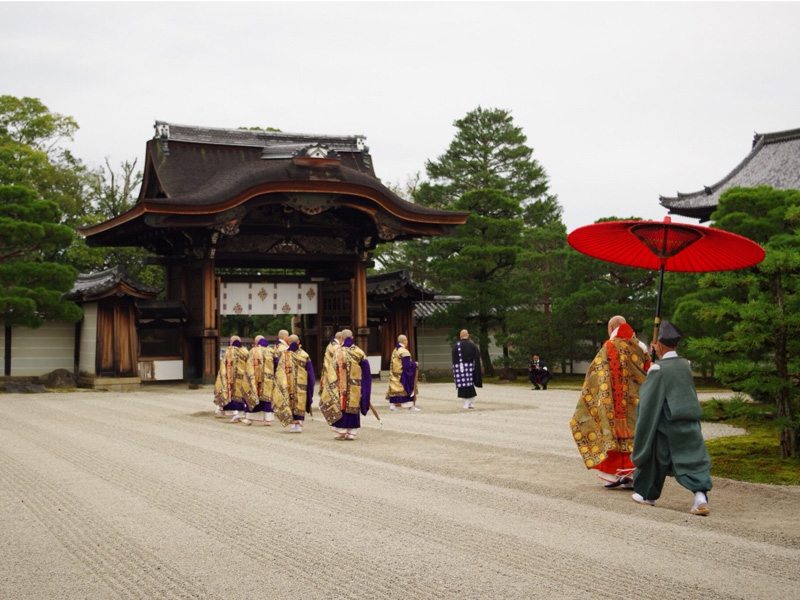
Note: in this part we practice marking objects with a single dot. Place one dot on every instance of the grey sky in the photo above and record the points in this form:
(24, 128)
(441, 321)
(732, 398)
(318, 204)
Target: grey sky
(621, 102)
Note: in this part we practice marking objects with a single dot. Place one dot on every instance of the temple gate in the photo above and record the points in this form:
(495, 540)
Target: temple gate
(220, 206)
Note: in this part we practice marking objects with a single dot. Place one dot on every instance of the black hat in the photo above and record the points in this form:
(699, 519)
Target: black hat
(669, 334)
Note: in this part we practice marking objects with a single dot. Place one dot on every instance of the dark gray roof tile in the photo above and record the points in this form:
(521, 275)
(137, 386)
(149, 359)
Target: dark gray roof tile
(773, 161)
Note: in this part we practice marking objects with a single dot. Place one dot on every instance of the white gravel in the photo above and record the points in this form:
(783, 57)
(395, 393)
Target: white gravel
(146, 495)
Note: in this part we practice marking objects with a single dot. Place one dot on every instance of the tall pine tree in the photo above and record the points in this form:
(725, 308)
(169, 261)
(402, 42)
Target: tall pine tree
(489, 171)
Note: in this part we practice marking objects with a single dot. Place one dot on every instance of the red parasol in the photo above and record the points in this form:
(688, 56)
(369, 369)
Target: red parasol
(666, 246)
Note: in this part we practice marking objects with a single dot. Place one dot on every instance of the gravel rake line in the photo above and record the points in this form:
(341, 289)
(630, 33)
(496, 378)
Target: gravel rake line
(126, 568)
(497, 547)
(203, 514)
(473, 542)
(776, 566)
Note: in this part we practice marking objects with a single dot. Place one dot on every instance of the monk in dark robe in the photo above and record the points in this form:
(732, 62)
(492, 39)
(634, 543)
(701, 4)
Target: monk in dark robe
(466, 369)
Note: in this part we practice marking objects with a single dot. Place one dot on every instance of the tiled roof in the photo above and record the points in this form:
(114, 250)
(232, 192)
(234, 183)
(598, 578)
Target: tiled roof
(426, 308)
(389, 284)
(773, 161)
(97, 285)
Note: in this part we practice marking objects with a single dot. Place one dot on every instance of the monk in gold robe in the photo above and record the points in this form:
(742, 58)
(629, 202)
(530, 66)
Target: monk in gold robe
(347, 389)
(328, 363)
(232, 389)
(402, 377)
(261, 375)
(294, 384)
(604, 421)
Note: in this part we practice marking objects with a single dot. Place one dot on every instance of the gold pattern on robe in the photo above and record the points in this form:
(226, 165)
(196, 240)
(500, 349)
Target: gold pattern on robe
(232, 383)
(342, 384)
(291, 385)
(261, 373)
(596, 429)
(395, 372)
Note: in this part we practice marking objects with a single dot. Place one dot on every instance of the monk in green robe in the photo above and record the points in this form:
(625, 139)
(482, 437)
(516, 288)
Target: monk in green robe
(668, 437)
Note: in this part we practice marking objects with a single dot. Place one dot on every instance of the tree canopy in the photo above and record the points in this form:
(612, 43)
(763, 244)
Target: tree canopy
(488, 171)
(32, 155)
(31, 289)
(754, 313)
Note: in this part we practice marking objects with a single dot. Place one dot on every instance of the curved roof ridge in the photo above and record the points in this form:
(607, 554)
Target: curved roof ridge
(254, 137)
(776, 136)
(709, 190)
(771, 161)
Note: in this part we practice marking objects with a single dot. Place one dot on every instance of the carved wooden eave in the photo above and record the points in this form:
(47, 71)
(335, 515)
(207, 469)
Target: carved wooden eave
(204, 187)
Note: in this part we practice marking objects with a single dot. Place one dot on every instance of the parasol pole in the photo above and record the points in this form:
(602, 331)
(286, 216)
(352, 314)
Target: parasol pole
(663, 256)
(657, 320)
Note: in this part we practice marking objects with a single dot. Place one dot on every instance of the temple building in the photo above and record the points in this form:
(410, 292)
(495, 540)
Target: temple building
(774, 161)
(260, 222)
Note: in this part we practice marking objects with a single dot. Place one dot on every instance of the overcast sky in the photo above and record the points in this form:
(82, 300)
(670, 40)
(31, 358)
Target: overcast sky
(621, 102)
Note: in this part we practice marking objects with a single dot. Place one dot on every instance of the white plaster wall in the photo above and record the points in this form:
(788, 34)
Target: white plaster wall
(39, 351)
(161, 370)
(434, 351)
(88, 349)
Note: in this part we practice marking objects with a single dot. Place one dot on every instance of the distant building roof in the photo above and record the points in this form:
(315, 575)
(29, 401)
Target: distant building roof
(396, 284)
(773, 161)
(427, 308)
(114, 281)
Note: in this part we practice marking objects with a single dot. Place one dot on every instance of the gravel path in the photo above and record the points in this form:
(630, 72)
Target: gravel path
(145, 495)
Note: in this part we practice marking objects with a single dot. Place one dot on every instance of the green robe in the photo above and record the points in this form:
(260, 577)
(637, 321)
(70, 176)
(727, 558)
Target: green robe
(668, 437)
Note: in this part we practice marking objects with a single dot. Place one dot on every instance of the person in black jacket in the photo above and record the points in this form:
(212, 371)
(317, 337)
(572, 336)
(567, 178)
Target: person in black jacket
(538, 372)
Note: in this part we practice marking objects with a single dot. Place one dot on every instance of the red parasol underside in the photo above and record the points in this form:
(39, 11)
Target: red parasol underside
(676, 246)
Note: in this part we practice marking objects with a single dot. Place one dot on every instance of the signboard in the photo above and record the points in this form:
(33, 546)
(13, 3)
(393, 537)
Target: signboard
(274, 299)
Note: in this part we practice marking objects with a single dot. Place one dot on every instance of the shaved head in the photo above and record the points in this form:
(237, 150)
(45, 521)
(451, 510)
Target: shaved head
(615, 322)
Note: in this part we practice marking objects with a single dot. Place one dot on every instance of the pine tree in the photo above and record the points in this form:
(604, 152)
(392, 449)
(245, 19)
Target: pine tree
(756, 311)
(31, 289)
(488, 171)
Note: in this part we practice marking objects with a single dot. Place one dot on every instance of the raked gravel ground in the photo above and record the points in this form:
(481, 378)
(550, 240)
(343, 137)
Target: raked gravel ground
(145, 495)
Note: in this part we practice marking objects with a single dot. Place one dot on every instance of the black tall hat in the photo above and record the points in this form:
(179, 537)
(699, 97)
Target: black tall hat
(669, 334)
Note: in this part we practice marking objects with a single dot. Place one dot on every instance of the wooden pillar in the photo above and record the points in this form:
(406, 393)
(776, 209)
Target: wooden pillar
(210, 337)
(359, 304)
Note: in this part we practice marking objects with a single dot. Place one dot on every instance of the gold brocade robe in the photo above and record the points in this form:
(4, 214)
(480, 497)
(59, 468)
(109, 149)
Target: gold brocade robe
(232, 384)
(291, 385)
(341, 384)
(327, 368)
(261, 372)
(605, 417)
(396, 388)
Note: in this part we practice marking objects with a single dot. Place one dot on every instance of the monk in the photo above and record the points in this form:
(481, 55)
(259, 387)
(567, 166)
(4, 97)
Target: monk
(604, 421)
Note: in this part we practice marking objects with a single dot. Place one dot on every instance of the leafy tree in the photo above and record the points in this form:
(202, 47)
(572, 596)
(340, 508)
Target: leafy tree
(112, 192)
(488, 171)
(757, 310)
(31, 288)
(31, 154)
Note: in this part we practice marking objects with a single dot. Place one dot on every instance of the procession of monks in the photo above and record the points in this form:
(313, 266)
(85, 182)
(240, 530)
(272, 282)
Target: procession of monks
(278, 381)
